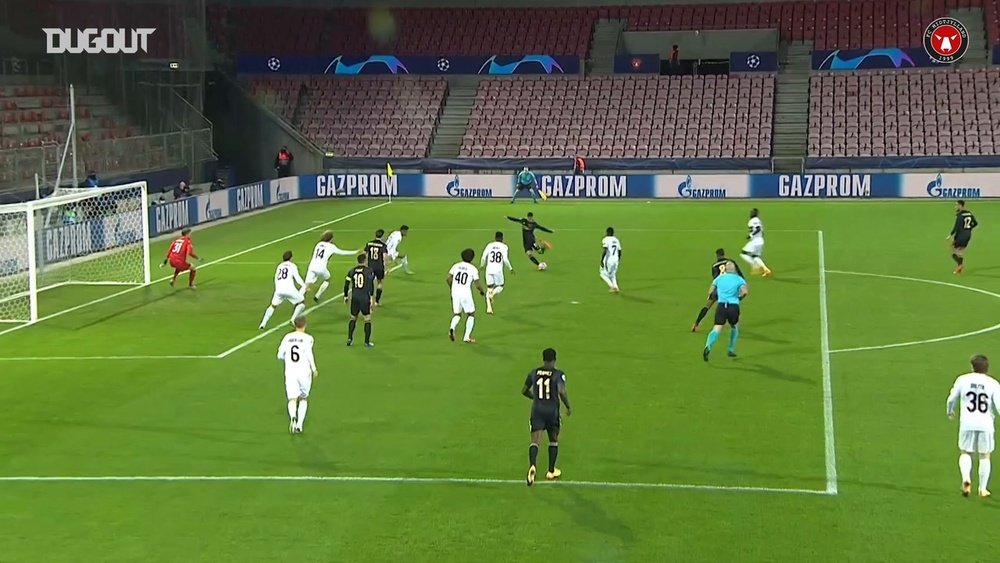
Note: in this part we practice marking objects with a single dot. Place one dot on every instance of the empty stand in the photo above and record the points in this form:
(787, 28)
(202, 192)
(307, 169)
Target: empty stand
(360, 116)
(462, 31)
(623, 117)
(905, 113)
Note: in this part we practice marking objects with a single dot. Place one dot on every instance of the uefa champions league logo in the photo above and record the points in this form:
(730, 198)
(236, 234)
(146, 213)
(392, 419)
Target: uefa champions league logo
(443, 64)
(274, 63)
(753, 61)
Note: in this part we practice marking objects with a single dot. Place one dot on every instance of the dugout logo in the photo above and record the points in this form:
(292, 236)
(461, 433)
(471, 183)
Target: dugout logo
(946, 40)
(687, 190)
(938, 189)
(455, 189)
(109, 41)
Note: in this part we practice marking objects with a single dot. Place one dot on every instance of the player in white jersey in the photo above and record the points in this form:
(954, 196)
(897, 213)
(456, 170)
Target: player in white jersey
(611, 255)
(392, 249)
(287, 287)
(318, 266)
(496, 255)
(977, 395)
(296, 351)
(461, 277)
(754, 247)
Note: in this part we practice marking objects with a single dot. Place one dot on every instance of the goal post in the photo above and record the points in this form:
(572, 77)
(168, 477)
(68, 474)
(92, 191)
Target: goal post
(87, 236)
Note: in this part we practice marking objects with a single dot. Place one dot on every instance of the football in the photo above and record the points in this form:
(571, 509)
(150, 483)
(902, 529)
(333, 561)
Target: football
(543, 266)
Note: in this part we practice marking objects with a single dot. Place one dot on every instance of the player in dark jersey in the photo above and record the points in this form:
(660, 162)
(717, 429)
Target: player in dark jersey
(531, 246)
(376, 251)
(961, 234)
(546, 387)
(359, 287)
(718, 267)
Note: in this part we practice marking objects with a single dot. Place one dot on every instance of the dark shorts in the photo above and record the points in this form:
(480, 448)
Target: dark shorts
(961, 242)
(547, 420)
(361, 306)
(379, 271)
(727, 314)
(529, 243)
(521, 187)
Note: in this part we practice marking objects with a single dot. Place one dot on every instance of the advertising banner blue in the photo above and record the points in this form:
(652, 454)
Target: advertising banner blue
(996, 54)
(388, 64)
(637, 64)
(867, 59)
(825, 186)
(753, 61)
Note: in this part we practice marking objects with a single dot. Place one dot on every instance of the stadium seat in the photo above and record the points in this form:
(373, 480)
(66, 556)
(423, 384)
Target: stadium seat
(904, 113)
(625, 116)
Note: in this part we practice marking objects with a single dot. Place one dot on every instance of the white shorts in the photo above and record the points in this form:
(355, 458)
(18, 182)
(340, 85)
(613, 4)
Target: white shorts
(755, 247)
(294, 297)
(297, 387)
(463, 304)
(313, 275)
(610, 268)
(392, 253)
(494, 279)
(975, 441)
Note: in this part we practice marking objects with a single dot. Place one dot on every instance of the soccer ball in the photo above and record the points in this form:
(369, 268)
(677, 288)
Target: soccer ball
(543, 266)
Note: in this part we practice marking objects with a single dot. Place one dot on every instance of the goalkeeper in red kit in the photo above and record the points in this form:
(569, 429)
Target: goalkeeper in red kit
(177, 257)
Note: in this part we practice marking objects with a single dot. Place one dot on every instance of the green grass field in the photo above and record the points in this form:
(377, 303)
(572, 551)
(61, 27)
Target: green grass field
(416, 450)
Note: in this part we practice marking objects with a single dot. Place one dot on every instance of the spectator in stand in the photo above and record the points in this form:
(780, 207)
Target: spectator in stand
(218, 184)
(283, 162)
(182, 190)
(91, 180)
(579, 165)
(675, 60)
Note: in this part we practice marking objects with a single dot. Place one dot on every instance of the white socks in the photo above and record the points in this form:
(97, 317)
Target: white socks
(322, 288)
(497, 290)
(470, 322)
(454, 321)
(291, 410)
(759, 262)
(607, 279)
(406, 264)
(749, 260)
(267, 316)
(298, 311)
(301, 417)
(965, 466)
(984, 473)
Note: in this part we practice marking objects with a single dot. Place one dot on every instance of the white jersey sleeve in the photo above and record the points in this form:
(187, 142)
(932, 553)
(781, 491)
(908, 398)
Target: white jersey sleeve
(756, 228)
(296, 352)
(463, 275)
(977, 396)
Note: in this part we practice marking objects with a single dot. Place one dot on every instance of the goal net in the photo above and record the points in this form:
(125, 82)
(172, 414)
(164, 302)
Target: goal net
(89, 236)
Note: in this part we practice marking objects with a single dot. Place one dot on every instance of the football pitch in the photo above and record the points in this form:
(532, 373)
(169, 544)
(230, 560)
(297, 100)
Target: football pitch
(149, 423)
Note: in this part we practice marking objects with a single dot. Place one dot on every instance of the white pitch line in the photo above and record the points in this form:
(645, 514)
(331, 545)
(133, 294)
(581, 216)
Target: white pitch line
(270, 331)
(577, 230)
(404, 480)
(103, 358)
(928, 340)
(202, 266)
(830, 454)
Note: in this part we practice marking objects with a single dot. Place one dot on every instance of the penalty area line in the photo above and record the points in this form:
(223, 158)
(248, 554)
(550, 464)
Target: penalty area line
(201, 266)
(102, 358)
(408, 480)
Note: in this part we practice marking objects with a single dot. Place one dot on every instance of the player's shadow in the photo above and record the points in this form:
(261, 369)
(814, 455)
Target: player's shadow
(589, 514)
(122, 311)
(761, 337)
(633, 297)
(766, 371)
(796, 281)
